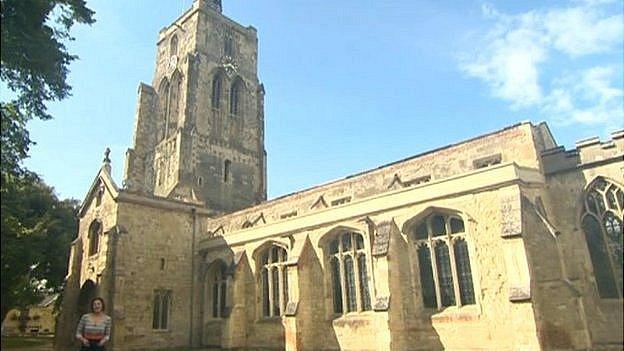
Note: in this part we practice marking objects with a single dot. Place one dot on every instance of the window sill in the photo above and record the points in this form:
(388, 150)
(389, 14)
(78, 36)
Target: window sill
(351, 315)
(454, 313)
(161, 331)
(276, 319)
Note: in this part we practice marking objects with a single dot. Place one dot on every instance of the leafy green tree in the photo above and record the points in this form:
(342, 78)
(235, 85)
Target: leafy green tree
(37, 229)
(36, 226)
(35, 63)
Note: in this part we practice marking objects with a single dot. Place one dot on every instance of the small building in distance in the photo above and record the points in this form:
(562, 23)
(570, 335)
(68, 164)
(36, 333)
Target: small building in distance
(36, 319)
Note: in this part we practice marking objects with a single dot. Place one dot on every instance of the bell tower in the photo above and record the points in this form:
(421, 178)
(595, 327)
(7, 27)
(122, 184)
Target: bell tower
(199, 130)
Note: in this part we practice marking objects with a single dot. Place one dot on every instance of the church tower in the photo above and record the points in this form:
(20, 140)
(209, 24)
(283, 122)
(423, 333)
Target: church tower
(199, 132)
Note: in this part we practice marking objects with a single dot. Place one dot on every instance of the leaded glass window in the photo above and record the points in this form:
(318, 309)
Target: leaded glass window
(349, 274)
(602, 224)
(161, 309)
(443, 261)
(217, 83)
(219, 290)
(274, 281)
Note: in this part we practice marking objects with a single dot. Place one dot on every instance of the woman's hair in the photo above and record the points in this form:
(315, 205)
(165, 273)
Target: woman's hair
(98, 299)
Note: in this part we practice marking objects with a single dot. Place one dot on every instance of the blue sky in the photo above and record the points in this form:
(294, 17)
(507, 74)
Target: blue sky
(352, 85)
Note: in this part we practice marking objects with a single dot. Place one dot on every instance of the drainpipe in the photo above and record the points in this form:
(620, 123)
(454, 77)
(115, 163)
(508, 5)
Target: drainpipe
(192, 256)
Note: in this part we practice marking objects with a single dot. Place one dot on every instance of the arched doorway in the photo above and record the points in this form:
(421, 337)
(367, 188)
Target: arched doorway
(87, 293)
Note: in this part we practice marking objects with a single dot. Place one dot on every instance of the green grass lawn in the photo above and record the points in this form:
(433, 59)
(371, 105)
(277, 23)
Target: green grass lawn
(16, 341)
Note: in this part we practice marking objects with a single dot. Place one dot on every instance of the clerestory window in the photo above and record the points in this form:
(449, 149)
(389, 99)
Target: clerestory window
(602, 224)
(444, 261)
(274, 281)
(349, 274)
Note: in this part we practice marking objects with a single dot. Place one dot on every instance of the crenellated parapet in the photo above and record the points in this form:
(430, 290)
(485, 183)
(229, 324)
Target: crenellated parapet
(587, 152)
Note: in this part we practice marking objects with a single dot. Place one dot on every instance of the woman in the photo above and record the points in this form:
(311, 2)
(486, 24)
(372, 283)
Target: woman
(93, 329)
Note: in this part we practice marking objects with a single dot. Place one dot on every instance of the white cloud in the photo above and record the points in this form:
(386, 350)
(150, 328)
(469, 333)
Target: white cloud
(589, 97)
(510, 58)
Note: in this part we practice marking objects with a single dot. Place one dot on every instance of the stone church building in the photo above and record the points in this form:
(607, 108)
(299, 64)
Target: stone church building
(506, 241)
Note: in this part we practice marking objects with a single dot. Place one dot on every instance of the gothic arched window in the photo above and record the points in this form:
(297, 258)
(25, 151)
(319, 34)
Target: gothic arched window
(349, 275)
(274, 281)
(161, 309)
(443, 261)
(95, 232)
(236, 98)
(218, 279)
(173, 46)
(602, 225)
(217, 84)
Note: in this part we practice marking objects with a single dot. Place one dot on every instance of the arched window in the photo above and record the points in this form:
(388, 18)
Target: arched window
(217, 85)
(443, 261)
(219, 290)
(236, 98)
(349, 275)
(228, 47)
(163, 102)
(274, 281)
(173, 46)
(173, 103)
(226, 170)
(602, 225)
(95, 232)
(161, 309)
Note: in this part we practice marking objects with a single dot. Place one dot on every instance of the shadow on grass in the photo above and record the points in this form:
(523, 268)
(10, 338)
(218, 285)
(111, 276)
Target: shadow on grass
(9, 342)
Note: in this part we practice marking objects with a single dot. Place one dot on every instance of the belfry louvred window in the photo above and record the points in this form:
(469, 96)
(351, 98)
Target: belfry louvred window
(602, 224)
(349, 275)
(274, 281)
(443, 261)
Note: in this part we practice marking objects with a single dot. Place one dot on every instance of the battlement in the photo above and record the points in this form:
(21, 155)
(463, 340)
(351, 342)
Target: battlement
(587, 151)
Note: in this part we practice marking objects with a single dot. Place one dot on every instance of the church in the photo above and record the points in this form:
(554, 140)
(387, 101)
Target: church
(506, 241)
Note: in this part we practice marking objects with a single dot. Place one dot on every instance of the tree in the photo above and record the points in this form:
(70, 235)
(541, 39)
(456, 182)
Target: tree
(36, 226)
(37, 229)
(35, 63)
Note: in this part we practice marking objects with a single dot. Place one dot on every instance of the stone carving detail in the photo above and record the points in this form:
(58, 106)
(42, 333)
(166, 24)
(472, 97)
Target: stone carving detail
(382, 303)
(319, 203)
(519, 293)
(217, 232)
(511, 216)
(291, 308)
(381, 242)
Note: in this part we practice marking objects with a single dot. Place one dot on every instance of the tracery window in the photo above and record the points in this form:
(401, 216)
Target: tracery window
(219, 290)
(349, 275)
(217, 83)
(274, 281)
(173, 45)
(95, 232)
(444, 261)
(602, 225)
(162, 309)
(235, 98)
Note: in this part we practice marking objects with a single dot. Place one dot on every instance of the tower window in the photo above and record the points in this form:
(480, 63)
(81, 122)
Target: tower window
(226, 170)
(216, 90)
(200, 181)
(173, 46)
(228, 47)
(235, 98)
